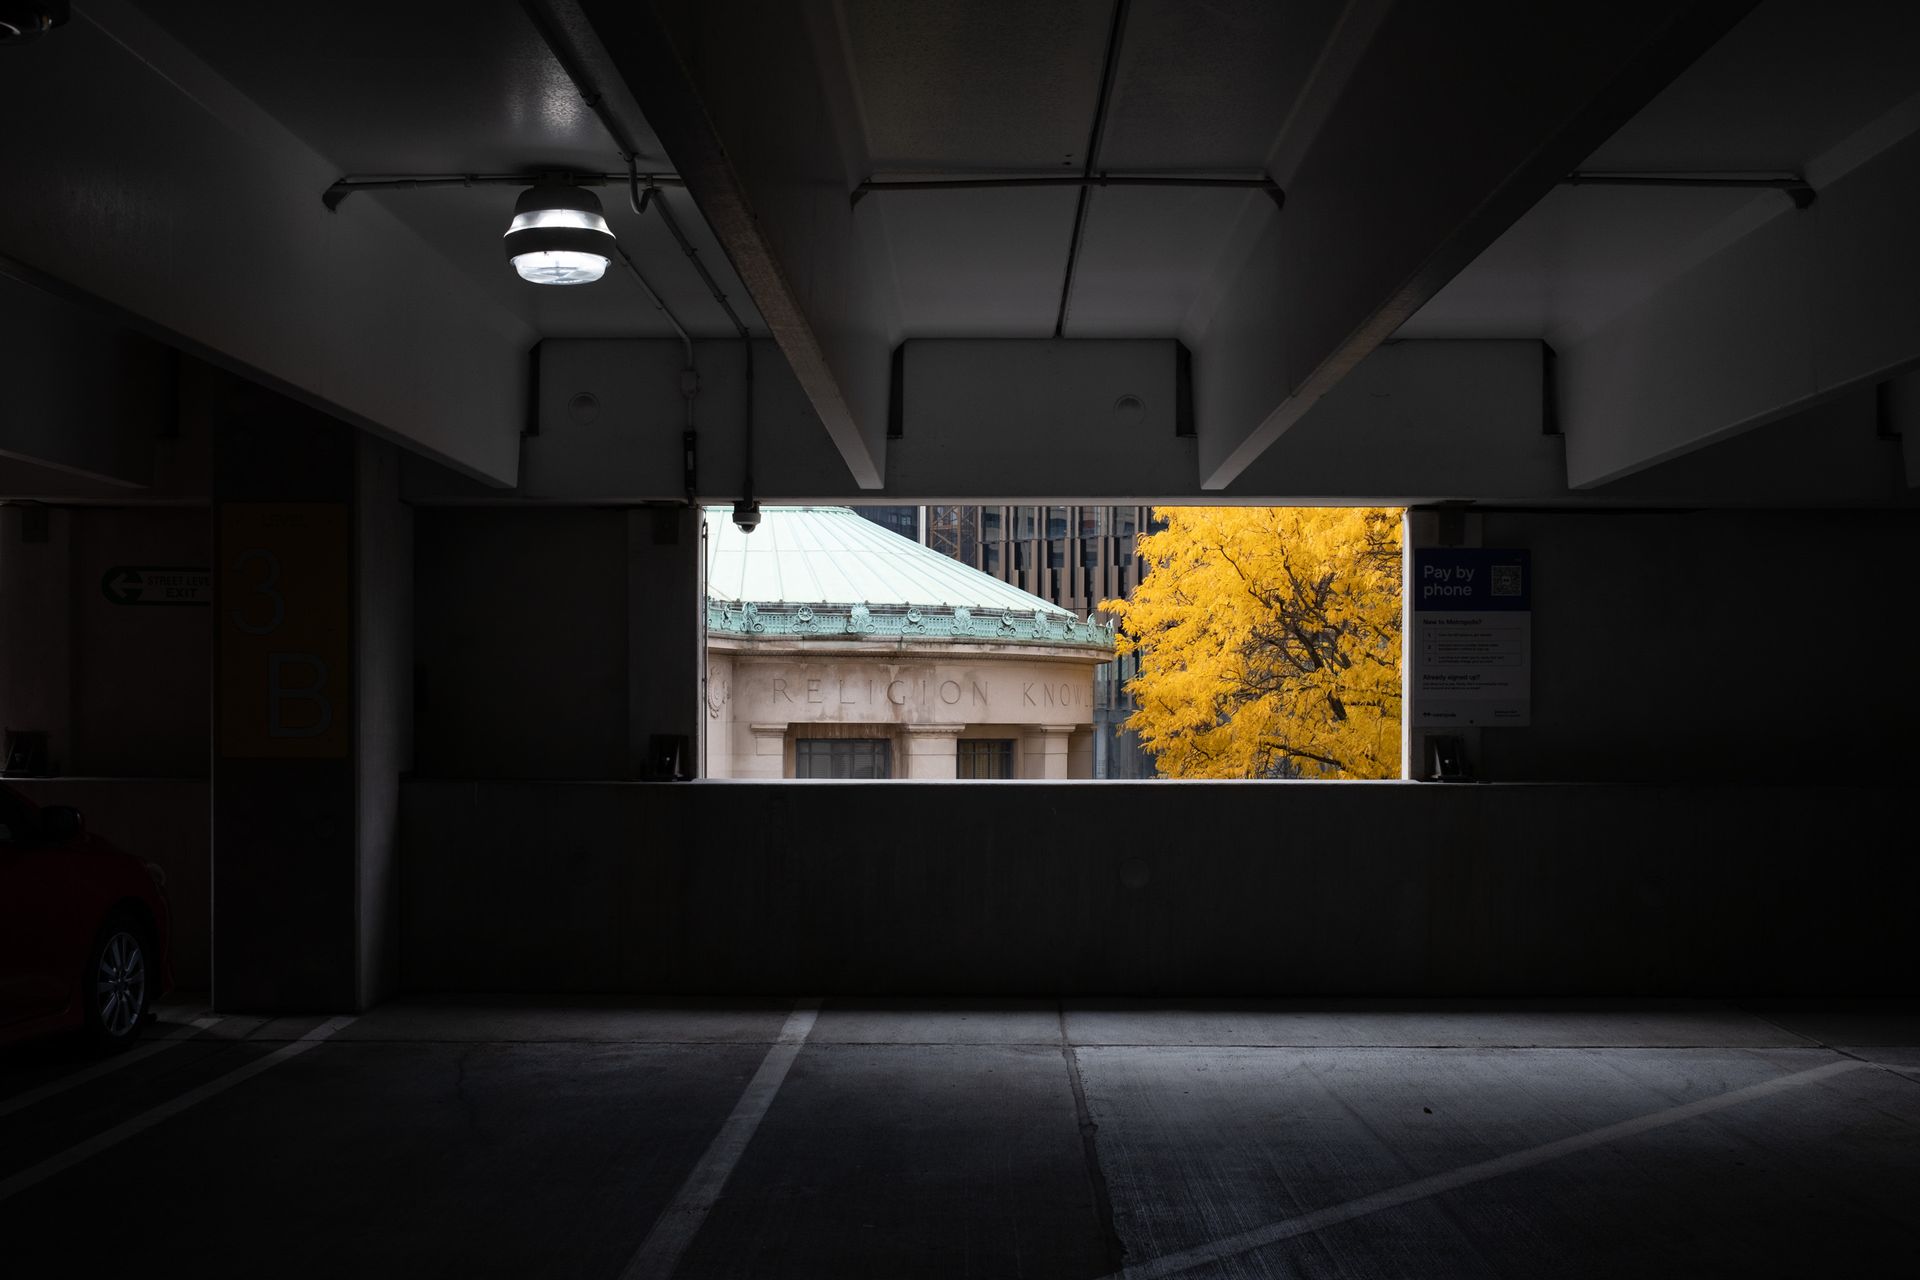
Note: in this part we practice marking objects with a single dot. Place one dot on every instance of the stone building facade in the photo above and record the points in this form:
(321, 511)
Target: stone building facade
(836, 649)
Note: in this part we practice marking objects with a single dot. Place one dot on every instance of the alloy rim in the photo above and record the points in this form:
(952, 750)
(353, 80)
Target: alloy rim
(121, 985)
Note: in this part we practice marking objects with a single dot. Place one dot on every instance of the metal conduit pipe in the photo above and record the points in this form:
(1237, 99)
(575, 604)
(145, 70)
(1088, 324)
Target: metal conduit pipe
(746, 512)
(689, 375)
(553, 34)
(343, 187)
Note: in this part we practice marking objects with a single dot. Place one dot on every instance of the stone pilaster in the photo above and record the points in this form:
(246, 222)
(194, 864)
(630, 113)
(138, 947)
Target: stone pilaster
(1043, 750)
(932, 751)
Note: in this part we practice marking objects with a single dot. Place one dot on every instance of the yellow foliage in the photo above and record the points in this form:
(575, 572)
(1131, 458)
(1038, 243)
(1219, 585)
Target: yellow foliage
(1269, 642)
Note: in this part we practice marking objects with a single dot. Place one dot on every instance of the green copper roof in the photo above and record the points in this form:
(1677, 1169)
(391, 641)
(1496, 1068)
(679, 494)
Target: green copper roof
(829, 555)
(823, 572)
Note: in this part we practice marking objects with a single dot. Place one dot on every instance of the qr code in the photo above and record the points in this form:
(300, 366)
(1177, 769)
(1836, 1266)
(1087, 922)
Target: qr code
(1506, 580)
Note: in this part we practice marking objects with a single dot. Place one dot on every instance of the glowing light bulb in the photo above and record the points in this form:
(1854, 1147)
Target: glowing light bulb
(558, 235)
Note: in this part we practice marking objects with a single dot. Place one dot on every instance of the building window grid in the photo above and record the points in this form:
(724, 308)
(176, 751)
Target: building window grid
(843, 758)
(1073, 556)
(985, 758)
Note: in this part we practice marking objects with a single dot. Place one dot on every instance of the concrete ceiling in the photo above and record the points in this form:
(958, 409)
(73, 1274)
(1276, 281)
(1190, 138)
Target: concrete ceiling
(1420, 148)
(1012, 88)
(1408, 137)
(1780, 93)
(455, 86)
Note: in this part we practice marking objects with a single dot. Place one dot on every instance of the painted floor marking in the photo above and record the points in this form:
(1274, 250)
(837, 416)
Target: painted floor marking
(20, 1101)
(1420, 1189)
(147, 1119)
(664, 1246)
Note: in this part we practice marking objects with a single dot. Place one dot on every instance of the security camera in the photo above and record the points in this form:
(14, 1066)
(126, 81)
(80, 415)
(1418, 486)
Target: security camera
(746, 515)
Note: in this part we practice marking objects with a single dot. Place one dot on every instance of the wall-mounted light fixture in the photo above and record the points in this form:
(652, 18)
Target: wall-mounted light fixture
(558, 235)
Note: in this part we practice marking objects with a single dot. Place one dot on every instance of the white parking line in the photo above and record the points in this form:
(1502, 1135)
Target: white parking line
(661, 1251)
(1320, 1219)
(98, 1069)
(147, 1119)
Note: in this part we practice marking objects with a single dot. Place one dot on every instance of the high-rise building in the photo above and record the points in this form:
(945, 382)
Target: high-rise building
(1073, 556)
(903, 520)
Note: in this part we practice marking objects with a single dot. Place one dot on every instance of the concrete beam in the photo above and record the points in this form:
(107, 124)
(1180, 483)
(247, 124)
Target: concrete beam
(1801, 309)
(1832, 455)
(85, 398)
(150, 184)
(1420, 422)
(1387, 204)
(1899, 416)
(611, 415)
(748, 101)
(1030, 421)
(1039, 421)
(1036, 420)
(1017, 420)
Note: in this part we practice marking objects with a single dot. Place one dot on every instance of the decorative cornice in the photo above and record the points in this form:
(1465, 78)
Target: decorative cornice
(887, 622)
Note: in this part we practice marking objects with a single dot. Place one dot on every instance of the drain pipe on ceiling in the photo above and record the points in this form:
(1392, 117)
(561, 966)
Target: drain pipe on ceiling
(746, 512)
(554, 33)
(689, 380)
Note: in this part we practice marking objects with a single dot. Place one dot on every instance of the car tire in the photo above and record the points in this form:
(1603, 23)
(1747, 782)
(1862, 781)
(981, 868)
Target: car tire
(118, 982)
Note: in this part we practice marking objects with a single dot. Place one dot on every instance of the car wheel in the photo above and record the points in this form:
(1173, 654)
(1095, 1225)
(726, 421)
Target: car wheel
(116, 984)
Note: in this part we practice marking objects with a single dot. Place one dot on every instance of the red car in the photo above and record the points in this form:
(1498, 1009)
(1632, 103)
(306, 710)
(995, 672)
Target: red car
(83, 928)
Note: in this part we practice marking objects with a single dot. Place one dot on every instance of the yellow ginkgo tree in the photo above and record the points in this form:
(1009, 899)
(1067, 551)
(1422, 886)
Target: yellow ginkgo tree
(1268, 642)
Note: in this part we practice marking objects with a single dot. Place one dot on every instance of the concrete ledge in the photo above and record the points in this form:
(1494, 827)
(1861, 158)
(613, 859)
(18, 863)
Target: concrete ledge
(1154, 889)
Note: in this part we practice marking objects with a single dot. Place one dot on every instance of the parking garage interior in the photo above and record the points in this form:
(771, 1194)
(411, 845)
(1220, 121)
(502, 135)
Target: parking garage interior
(355, 582)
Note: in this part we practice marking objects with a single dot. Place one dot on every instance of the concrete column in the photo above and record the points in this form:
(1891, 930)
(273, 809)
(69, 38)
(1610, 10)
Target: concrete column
(665, 633)
(1080, 754)
(718, 740)
(285, 815)
(1043, 750)
(382, 705)
(932, 751)
(763, 751)
(36, 621)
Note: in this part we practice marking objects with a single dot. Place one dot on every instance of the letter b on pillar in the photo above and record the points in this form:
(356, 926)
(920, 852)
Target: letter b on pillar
(285, 630)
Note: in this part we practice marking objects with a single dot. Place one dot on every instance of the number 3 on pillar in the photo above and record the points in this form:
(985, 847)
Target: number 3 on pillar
(284, 629)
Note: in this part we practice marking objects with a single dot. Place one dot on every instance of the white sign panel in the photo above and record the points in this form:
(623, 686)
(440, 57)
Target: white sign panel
(1473, 637)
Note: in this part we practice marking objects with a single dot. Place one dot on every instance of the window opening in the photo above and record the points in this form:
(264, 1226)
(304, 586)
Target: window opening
(843, 758)
(1081, 650)
(986, 758)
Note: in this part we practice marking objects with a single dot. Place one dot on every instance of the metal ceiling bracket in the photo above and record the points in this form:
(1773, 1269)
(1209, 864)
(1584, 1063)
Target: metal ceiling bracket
(347, 185)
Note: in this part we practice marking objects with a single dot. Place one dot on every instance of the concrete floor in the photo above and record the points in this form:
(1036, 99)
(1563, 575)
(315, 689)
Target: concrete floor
(595, 1139)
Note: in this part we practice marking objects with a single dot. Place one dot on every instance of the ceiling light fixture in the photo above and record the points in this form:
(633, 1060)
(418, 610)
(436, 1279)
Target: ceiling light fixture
(558, 235)
(22, 20)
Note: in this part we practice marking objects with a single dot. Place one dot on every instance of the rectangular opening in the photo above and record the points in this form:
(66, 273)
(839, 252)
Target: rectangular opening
(1057, 641)
(985, 758)
(843, 758)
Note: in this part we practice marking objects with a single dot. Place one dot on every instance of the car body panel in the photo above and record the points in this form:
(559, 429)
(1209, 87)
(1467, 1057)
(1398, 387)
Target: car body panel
(54, 898)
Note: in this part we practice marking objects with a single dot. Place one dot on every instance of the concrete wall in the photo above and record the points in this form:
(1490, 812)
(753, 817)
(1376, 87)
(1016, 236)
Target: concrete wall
(383, 710)
(1156, 889)
(84, 395)
(553, 642)
(285, 831)
(521, 643)
(121, 690)
(1715, 646)
(163, 820)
